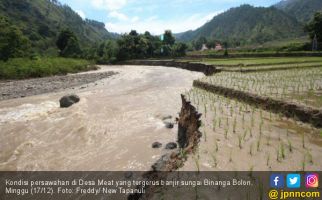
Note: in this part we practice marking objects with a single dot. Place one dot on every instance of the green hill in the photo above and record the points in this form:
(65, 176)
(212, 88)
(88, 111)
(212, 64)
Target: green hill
(42, 20)
(248, 25)
(302, 10)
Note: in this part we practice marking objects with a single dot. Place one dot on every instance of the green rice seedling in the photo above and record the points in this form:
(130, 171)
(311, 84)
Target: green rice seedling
(268, 159)
(226, 133)
(282, 151)
(213, 156)
(250, 172)
(245, 135)
(278, 155)
(268, 138)
(303, 140)
(240, 138)
(216, 146)
(290, 146)
(230, 155)
(251, 149)
(219, 122)
(234, 125)
(214, 123)
(183, 154)
(309, 157)
(258, 144)
(303, 163)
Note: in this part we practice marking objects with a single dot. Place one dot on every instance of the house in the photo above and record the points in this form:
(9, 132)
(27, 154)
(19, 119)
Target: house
(218, 47)
(204, 47)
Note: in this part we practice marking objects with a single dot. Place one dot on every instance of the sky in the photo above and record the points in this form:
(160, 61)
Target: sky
(155, 16)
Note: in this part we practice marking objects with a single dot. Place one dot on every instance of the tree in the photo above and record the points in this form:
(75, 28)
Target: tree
(68, 44)
(197, 44)
(108, 52)
(179, 49)
(12, 42)
(168, 38)
(132, 46)
(314, 27)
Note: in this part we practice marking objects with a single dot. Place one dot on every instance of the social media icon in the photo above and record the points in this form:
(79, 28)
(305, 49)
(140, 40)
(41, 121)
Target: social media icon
(293, 180)
(277, 181)
(312, 180)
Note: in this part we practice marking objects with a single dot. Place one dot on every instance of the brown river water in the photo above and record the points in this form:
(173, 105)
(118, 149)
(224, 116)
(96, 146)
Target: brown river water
(111, 128)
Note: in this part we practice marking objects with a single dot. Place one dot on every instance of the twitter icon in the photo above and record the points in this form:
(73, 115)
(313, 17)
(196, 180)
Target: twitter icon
(293, 180)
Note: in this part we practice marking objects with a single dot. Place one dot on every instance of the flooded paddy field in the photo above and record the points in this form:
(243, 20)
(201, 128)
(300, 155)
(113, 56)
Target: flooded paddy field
(240, 137)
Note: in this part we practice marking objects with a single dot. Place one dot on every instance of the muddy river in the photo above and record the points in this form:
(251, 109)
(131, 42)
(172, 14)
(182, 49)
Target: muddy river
(111, 128)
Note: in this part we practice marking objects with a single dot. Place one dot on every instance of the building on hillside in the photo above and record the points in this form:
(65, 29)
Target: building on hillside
(204, 47)
(218, 47)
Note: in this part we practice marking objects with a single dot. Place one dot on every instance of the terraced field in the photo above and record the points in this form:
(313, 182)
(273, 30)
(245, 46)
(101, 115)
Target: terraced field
(260, 64)
(302, 86)
(241, 136)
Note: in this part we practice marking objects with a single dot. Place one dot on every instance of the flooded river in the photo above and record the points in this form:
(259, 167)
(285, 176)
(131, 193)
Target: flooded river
(111, 128)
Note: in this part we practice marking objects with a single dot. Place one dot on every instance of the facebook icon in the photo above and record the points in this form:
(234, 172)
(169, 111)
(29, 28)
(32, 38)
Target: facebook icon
(277, 181)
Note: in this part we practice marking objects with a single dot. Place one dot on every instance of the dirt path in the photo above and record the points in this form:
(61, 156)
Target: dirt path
(111, 128)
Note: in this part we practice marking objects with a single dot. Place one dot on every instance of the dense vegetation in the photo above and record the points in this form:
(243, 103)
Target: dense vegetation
(315, 28)
(32, 30)
(20, 68)
(248, 25)
(42, 20)
(302, 10)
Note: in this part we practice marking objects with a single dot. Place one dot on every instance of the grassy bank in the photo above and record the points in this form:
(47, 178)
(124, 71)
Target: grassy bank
(22, 68)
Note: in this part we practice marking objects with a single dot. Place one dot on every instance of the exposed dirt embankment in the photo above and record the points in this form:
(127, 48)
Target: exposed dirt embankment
(188, 139)
(299, 112)
(197, 67)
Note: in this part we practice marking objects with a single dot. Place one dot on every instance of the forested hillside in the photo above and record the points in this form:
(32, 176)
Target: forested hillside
(248, 25)
(302, 10)
(42, 20)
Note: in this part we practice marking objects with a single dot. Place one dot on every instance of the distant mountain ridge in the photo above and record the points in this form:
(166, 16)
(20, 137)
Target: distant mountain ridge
(42, 20)
(302, 10)
(247, 24)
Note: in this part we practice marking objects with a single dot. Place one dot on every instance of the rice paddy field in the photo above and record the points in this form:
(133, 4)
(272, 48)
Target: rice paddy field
(240, 137)
(303, 86)
(237, 136)
(259, 61)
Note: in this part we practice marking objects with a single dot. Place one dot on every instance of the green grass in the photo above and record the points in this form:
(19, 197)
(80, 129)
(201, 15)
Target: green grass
(22, 68)
(259, 61)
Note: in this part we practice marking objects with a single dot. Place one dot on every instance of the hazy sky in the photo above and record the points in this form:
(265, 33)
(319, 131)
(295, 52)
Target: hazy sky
(155, 15)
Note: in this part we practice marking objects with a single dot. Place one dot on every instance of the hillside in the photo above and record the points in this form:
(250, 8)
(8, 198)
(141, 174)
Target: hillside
(248, 25)
(42, 20)
(302, 10)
